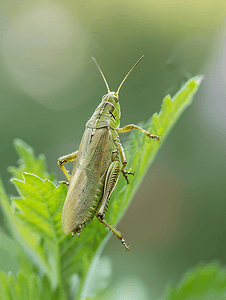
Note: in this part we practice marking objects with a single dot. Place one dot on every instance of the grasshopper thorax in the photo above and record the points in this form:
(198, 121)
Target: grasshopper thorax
(111, 102)
(113, 99)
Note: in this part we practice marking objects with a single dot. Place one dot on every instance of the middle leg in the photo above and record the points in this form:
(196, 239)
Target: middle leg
(123, 159)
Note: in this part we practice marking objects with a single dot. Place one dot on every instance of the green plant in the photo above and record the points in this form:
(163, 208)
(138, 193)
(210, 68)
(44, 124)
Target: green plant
(206, 281)
(64, 265)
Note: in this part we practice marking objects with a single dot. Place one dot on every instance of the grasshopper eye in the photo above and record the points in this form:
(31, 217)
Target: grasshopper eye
(116, 98)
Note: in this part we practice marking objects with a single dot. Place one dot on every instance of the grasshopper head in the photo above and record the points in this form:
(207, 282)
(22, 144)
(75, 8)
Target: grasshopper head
(112, 97)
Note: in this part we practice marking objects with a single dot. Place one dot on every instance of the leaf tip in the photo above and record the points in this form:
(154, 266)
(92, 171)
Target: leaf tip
(199, 79)
(13, 179)
(20, 143)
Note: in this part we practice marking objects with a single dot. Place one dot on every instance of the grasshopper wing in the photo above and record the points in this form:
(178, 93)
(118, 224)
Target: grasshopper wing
(92, 162)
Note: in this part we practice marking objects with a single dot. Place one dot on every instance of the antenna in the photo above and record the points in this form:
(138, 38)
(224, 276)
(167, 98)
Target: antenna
(129, 73)
(102, 75)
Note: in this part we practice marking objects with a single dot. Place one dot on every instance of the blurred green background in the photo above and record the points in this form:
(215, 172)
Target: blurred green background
(50, 87)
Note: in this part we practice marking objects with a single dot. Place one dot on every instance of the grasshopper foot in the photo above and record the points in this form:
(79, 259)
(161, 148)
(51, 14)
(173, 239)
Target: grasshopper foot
(156, 137)
(125, 173)
(100, 217)
(64, 182)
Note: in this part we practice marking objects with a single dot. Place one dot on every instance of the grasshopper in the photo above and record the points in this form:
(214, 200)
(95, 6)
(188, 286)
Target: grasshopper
(98, 163)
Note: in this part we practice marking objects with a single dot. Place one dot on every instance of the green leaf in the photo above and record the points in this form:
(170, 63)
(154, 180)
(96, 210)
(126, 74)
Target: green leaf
(6, 207)
(31, 243)
(204, 282)
(28, 162)
(10, 254)
(25, 287)
(19, 231)
(4, 287)
(145, 149)
(38, 209)
(98, 277)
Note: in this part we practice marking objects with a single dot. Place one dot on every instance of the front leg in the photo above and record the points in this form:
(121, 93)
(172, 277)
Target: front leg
(132, 127)
(64, 182)
(64, 159)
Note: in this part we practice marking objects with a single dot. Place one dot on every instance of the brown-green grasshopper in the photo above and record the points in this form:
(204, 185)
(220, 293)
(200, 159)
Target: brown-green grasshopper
(98, 163)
